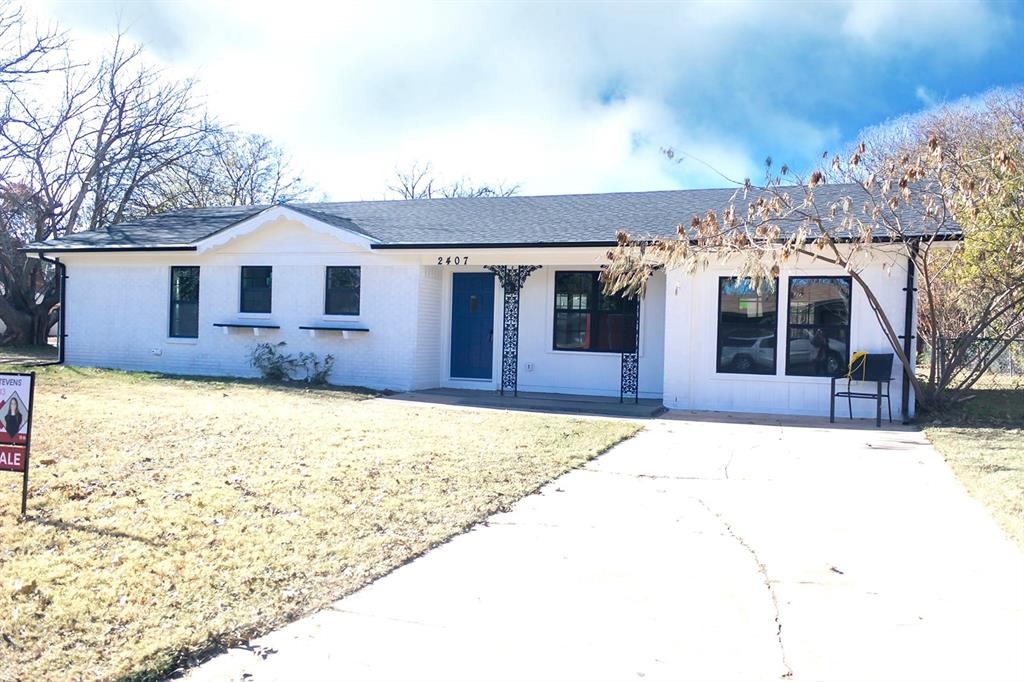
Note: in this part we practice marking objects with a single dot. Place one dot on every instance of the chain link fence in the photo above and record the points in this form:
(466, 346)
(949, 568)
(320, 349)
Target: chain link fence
(1006, 371)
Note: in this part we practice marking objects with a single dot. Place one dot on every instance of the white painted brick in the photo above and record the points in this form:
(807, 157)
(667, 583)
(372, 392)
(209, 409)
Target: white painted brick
(118, 308)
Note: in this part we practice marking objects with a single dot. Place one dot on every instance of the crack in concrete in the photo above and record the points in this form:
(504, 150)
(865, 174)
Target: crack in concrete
(764, 577)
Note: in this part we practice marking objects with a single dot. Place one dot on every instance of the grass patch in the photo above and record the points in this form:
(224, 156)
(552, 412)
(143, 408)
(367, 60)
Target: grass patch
(168, 516)
(983, 442)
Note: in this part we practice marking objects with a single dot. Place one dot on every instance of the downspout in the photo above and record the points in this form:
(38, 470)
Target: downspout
(908, 332)
(62, 277)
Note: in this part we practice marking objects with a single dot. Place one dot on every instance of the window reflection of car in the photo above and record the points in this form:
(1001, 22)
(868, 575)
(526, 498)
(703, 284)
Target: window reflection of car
(826, 311)
(803, 351)
(748, 353)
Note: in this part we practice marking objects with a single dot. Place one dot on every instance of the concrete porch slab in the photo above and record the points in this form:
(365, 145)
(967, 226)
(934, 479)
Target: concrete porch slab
(558, 403)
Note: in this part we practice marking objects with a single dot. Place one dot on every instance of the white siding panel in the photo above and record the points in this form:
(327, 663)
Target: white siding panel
(691, 381)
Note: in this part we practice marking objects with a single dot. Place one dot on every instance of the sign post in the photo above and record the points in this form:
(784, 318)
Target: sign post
(16, 394)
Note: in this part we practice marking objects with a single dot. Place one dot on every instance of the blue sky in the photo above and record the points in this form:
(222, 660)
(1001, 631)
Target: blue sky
(563, 97)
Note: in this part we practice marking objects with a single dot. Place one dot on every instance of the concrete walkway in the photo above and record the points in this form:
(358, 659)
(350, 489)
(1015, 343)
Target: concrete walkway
(697, 550)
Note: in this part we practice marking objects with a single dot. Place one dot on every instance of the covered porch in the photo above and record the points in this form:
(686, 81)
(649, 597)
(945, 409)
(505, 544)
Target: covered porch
(535, 321)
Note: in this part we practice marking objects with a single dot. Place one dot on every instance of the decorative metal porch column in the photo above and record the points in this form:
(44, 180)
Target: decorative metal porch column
(629, 382)
(512, 278)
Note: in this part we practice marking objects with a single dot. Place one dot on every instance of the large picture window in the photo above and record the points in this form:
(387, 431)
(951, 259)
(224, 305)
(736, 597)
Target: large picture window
(818, 326)
(257, 282)
(184, 302)
(748, 323)
(342, 295)
(586, 319)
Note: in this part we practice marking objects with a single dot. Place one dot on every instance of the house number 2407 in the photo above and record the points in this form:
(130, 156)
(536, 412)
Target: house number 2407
(453, 260)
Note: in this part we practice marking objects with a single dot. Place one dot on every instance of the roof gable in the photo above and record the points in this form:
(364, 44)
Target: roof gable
(275, 215)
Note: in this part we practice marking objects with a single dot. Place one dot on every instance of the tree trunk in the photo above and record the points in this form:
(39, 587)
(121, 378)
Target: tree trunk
(27, 329)
(40, 326)
(27, 314)
(893, 338)
(883, 321)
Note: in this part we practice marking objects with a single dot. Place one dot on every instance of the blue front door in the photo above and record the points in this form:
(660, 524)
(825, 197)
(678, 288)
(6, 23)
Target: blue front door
(472, 325)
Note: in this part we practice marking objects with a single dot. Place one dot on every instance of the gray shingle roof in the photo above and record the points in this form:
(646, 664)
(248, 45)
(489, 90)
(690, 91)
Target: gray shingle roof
(561, 219)
(172, 229)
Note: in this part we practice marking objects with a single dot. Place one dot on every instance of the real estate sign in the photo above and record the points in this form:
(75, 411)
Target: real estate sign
(16, 392)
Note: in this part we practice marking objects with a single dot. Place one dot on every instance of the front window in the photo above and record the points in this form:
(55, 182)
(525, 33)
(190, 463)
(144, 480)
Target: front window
(342, 295)
(586, 319)
(747, 326)
(184, 302)
(256, 289)
(818, 326)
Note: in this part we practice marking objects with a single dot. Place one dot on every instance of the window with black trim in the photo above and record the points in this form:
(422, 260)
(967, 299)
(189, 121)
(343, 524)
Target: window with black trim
(257, 283)
(818, 326)
(184, 316)
(342, 290)
(587, 319)
(748, 324)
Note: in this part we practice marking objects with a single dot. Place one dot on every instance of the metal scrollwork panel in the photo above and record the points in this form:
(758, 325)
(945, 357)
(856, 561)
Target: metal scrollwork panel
(512, 279)
(629, 382)
(630, 376)
(510, 342)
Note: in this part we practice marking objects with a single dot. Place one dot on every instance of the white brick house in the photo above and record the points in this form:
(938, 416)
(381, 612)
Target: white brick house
(405, 295)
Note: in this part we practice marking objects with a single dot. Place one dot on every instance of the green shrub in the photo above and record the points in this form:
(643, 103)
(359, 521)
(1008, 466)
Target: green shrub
(317, 370)
(273, 363)
(276, 365)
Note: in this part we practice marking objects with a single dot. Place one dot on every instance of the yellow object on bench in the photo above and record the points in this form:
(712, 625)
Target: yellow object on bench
(858, 366)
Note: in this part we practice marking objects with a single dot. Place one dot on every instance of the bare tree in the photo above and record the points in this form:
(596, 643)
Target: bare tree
(229, 169)
(415, 183)
(81, 161)
(466, 188)
(24, 53)
(419, 182)
(975, 299)
(909, 201)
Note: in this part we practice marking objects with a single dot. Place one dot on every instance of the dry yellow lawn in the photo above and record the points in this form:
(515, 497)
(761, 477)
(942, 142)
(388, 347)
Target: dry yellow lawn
(982, 440)
(167, 516)
(990, 463)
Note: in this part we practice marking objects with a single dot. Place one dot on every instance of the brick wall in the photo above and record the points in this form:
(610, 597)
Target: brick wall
(118, 308)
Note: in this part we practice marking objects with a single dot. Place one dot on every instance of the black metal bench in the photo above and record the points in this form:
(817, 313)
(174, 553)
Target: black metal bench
(865, 367)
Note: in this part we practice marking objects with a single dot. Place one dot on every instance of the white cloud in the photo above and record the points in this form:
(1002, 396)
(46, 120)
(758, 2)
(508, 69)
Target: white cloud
(509, 92)
(895, 25)
(925, 96)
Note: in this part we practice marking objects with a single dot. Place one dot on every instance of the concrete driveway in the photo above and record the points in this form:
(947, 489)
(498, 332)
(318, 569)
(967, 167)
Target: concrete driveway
(697, 550)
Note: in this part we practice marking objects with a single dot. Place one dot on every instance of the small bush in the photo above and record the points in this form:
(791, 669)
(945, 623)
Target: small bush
(317, 370)
(273, 363)
(276, 365)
